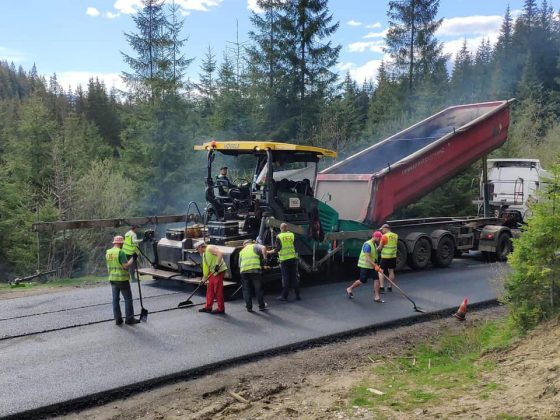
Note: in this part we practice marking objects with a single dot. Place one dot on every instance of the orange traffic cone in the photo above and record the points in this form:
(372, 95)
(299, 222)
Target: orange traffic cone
(462, 311)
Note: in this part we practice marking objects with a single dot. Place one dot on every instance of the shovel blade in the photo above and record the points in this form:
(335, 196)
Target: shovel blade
(185, 303)
(144, 315)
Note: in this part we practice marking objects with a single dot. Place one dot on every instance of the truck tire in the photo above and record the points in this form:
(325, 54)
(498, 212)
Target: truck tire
(443, 255)
(421, 254)
(402, 253)
(503, 247)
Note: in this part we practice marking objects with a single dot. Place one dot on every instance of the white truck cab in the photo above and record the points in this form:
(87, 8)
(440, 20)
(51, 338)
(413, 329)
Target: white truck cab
(512, 185)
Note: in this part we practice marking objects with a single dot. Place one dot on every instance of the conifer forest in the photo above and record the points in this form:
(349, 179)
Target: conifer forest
(95, 152)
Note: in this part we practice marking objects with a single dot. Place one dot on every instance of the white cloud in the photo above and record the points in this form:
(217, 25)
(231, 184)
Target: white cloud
(11, 55)
(354, 23)
(111, 15)
(470, 25)
(371, 46)
(186, 6)
(199, 5)
(375, 25)
(367, 71)
(92, 11)
(381, 34)
(128, 6)
(74, 78)
(252, 5)
(454, 46)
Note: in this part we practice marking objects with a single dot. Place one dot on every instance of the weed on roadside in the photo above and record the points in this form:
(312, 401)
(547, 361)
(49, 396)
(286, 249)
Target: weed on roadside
(444, 369)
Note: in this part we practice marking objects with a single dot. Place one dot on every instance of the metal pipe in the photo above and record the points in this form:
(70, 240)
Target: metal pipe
(270, 178)
(485, 198)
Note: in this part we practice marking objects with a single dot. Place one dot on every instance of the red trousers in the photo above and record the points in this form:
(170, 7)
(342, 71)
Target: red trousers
(215, 289)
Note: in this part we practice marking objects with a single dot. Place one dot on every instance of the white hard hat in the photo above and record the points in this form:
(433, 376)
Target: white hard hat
(199, 243)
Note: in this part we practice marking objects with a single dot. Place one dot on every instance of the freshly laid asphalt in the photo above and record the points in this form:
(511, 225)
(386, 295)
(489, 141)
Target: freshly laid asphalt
(91, 355)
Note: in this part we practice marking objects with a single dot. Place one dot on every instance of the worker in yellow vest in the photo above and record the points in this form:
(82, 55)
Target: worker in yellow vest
(388, 250)
(213, 271)
(367, 261)
(251, 261)
(130, 247)
(117, 265)
(285, 248)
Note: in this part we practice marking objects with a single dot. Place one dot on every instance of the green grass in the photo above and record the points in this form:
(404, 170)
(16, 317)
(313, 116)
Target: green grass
(505, 416)
(54, 283)
(434, 372)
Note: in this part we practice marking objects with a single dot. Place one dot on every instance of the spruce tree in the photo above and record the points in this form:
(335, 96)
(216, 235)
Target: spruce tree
(151, 45)
(482, 70)
(178, 62)
(462, 80)
(268, 63)
(207, 85)
(308, 25)
(503, 67)
(411, 40)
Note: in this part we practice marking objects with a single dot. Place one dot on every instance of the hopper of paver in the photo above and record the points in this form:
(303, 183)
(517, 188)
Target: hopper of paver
(372, 184)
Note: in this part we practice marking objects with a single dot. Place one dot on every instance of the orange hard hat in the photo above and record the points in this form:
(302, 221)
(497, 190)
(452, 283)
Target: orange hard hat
(118, 239)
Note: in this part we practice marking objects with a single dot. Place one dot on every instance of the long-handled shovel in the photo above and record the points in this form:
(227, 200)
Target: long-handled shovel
(189, 302)
(416, 308)
(144, 311)
(236, 291)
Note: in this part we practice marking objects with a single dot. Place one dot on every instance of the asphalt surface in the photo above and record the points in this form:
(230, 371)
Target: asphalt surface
(92, 355)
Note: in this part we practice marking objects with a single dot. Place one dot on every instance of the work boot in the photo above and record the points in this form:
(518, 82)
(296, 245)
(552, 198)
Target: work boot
(119, 321)
(282, 298)
(218, 312)
(263, 307)
(205, 310)
(132, 321)
(249, 309)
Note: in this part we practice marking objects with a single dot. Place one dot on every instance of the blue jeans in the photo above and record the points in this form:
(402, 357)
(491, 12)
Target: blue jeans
(123, 287)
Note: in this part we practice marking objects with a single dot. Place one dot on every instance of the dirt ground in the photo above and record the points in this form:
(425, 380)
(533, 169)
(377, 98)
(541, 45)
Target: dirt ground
(315, 383)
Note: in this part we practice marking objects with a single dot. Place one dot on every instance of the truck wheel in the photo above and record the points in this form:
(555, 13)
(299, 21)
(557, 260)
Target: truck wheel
(421, 254)
(443, 255)
(503, 247)
(402, 253)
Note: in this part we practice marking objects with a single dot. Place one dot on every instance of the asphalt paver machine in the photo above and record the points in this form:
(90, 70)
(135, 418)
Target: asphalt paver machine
(279, 188)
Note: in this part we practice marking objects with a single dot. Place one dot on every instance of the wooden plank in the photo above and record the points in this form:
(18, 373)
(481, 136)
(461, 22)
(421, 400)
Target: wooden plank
(300, 230)
(106, 223)
(167, 275)
(163, 274)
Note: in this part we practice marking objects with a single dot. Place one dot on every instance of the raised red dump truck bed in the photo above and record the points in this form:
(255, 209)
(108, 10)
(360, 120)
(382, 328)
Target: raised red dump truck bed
(371, 185)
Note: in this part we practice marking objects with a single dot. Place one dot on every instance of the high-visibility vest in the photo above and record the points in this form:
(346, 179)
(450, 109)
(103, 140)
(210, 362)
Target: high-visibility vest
(209, 261)
(389, 250)
(362, 261)
(114, 266)
(129, 247)
(288, 251)
(249, 260)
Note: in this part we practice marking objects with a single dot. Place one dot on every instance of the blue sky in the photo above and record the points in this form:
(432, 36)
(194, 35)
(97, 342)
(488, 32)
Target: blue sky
(77, 39)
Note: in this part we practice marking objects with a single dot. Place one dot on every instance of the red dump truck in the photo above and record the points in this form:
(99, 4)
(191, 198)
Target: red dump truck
(369, 186)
